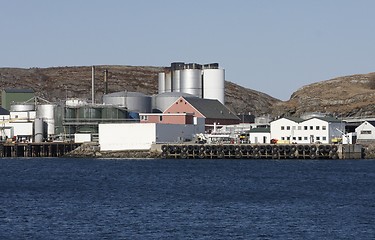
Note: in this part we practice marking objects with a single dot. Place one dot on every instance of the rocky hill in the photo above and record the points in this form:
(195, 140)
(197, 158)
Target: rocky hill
(343, 97)
(58, 83)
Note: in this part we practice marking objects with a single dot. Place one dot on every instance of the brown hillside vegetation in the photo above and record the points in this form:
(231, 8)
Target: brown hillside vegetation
(57, 83)
(343, 97)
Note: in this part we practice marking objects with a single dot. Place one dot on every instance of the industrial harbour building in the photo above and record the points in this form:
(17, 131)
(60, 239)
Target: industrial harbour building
(190, 103)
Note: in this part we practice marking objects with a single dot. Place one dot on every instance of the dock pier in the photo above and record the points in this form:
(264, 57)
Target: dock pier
(45, 149)
(261, 151)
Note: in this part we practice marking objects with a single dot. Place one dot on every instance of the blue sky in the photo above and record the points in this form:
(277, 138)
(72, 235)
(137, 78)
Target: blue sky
(270, 46)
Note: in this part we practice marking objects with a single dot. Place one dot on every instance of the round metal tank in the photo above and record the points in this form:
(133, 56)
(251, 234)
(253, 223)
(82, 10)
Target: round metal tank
(191, 82)
(133, 101)
(47, 113)
(38, 130)
(176, 80)
(22, 107)
(163, 101)
(168, 82)
(89, 112)
(161, 83)
(213, 84)
(113, 113)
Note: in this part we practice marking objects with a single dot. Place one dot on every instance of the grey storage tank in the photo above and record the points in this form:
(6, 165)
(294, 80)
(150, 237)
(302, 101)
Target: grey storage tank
(47, 113)
(132, 101)
(38, 130)
(191, 81)
(22, 107)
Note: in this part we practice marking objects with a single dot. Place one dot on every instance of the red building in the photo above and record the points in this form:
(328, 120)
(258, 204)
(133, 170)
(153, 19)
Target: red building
(167, 118)
(185, 109)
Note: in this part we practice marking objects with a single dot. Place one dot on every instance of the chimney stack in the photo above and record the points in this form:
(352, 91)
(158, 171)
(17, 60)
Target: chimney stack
(106, 81)
(93, 85)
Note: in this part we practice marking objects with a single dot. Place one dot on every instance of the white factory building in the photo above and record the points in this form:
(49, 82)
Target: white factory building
(298, 130)
(140, 136)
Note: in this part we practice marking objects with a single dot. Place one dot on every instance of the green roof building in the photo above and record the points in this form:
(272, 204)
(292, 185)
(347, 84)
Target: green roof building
(9, 96)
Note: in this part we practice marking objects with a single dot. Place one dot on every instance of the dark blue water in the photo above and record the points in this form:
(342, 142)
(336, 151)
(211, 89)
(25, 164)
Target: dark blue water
(186, 199)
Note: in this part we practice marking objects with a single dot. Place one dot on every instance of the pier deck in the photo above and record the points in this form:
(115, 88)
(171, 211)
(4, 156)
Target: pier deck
(45, 149)
(264, 151)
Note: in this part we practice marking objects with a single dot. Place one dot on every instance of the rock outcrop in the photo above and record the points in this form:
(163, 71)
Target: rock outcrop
(58, 83)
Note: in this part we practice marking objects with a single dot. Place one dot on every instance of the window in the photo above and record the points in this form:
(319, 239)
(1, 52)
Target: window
(294, 128)
(366, 132)
(287, 138)
(317, 138)
(288, 128)
(294, 138)
(311, 127)
(144, 117)
(299, 128)
(282, 138)
(324, 138)
(282, 127)
(299, 138)
(324, 128)
(317, 127)
(305, 138)
(160, 118)
(305, 127)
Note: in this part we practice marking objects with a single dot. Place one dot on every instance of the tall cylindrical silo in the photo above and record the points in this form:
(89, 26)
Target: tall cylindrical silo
(176, 80)
(161, 83)
(38, 130)
(168, 82)
(191, 82)
(47, 113)
(213, 84)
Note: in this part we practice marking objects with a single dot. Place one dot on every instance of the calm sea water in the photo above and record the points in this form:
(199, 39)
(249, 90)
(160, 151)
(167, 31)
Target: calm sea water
(186, 199)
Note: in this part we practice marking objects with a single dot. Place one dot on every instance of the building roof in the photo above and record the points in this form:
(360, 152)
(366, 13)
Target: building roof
(370, 122)
(299, 120)
(17, 90)
(211, 108)
(3, 111)
(260, 130)
(295, 119)
(328, 119)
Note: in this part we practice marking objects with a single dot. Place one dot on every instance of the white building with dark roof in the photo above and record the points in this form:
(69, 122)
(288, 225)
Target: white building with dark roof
(366, 131)
(316, 129)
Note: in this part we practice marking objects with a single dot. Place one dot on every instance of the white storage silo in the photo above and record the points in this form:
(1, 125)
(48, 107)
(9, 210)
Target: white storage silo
(168, 82)
(47, 113)
(191, 82)
(176, 79)
(161, 83)
(214, 84)
(38, 130)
